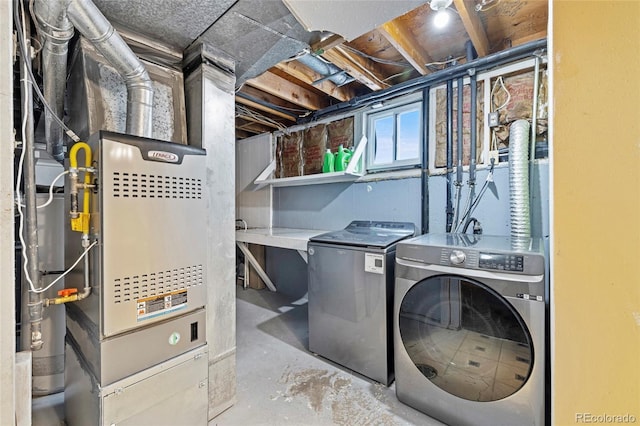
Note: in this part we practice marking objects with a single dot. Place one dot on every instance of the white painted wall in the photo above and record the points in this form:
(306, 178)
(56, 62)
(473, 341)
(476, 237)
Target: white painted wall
(253, 206)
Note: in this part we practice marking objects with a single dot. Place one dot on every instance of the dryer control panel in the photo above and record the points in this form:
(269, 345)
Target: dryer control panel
(501, 262)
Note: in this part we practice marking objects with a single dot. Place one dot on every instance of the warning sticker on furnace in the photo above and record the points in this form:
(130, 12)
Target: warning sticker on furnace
(151, 307)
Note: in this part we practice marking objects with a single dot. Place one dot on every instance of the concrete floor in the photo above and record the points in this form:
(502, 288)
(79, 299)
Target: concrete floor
(279, 382)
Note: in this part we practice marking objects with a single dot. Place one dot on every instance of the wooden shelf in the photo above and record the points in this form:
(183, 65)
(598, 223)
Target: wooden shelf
(350, 175)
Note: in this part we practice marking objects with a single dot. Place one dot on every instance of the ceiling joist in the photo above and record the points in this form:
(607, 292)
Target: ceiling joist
(291, 92)
(251, 126)
(326, 44)
(362, 69)
(528, 38)
(253, 119)
(307, 75)
(399, 36)
(473, 25)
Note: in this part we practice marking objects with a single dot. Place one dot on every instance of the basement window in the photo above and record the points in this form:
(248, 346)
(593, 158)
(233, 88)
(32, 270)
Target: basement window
(394, 136)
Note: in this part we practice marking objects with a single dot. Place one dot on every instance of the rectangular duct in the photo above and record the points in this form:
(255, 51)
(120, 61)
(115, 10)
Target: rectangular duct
(97, 97)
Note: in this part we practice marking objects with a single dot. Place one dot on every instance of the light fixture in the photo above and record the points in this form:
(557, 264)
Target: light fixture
(441, 19)
(440, 4)
(442, 15)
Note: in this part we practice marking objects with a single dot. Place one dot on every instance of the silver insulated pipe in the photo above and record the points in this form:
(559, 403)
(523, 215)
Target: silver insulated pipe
(519, 179)
(92, 24)
(57, 31)
(327, 69)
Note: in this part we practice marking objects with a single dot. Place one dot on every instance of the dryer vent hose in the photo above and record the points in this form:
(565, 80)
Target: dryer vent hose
(519, 179)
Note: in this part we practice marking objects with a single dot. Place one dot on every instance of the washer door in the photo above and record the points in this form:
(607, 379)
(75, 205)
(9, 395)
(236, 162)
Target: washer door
(465, 338)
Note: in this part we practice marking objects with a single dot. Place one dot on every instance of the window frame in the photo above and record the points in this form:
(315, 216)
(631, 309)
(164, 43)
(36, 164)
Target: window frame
(393, 109)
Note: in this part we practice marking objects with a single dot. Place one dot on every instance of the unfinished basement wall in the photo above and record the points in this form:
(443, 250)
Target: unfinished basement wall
(333, 206)
(210, 120)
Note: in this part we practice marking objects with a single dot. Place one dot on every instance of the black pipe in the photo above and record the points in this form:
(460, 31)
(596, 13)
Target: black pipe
(449, 153)
(511, 55)
(266, 104)
(425, 161)
(459, 119)
(470, 51)
(473, 129)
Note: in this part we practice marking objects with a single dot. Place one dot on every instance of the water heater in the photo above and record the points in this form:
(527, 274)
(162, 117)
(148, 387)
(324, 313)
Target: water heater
(136, 345)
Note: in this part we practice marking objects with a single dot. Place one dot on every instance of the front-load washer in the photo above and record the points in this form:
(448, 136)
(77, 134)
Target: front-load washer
(469, 328)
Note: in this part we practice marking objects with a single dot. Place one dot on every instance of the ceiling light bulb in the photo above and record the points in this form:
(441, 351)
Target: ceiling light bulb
(441, 19)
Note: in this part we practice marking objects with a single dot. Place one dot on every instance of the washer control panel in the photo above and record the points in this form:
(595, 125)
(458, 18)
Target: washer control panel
(501, 262)
(457, 257)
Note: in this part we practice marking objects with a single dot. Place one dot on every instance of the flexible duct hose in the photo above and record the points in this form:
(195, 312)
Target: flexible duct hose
(519, 179)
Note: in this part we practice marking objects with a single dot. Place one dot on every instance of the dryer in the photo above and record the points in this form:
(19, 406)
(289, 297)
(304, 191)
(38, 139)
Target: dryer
(469, 328)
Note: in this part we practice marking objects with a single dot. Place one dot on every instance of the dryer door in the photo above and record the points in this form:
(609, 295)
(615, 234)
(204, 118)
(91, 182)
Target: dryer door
(465, 338)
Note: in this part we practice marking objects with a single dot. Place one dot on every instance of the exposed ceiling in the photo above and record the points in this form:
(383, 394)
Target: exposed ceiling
(274, 87)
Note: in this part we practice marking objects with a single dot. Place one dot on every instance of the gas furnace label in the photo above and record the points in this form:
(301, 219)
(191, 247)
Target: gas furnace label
(163, 304)
(374, 263)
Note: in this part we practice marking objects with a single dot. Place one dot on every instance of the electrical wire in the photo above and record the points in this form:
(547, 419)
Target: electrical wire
(444, 62)
(23, 50)
(27, 82)
(37, 27)
(84, 253)
(376, 59)
(397, 75)
(480, 7)
(23, 129)
(500, 81)
(241, 110)
(50, 199)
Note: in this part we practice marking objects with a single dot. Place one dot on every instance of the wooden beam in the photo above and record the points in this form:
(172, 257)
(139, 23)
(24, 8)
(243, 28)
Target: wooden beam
(252, 119)
(528, 38)
(282, 88)
(473, 25)
(252, 127)
(397, 33)
(362, 69)
(241, 134)
(326, 44)
(306, 75)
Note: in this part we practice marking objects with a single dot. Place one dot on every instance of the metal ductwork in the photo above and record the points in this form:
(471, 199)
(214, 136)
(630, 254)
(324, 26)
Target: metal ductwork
(55, 18)
(519, 179)
(327, 69)
(57, 31)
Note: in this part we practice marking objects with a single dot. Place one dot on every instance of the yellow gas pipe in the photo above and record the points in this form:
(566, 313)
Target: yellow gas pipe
(79, 221)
